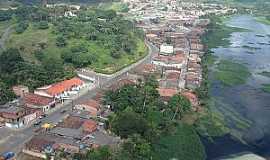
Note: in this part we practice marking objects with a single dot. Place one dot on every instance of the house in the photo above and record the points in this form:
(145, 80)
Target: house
(61, 90)
(38, 146)
(175, 61)
(166, 50)
(38, 102)
(89, 126)
(30, 116)
(71, 122)
(12, 116)
(167, 93)
(20, 90)
(91, 106)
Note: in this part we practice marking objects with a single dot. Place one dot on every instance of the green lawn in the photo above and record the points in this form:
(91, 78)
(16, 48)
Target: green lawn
(231, 73)
(29, 42)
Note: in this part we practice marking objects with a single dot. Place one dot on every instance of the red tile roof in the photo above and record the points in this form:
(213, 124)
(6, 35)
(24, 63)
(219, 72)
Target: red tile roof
(89, 126)
(167, 92)
(148, 68)
(173, 75)
(91, 103)
(192, 97)
(60, 87)
(71, 122)
(36, 100)
(179, 58)
(38, 144)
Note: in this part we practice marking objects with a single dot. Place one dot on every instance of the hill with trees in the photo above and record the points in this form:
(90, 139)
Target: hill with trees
(50, 46)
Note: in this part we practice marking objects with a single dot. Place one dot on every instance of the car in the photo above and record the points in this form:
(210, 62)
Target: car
(37, 123)
(7, 155)
(63, 111)
(42, 116)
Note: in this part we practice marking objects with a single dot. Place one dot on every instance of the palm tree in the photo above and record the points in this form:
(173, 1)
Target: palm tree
(179, 105)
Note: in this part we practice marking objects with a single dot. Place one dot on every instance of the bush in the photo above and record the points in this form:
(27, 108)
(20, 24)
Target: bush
(21, 27)
(61, 41)
(43, 25)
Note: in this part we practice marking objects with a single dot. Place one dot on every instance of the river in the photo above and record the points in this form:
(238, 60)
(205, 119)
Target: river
(247, 102)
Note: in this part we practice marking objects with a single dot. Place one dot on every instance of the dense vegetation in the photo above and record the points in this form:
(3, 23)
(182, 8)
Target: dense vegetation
(15, 70)
(47, 47)
(150, 129)
(231, 73)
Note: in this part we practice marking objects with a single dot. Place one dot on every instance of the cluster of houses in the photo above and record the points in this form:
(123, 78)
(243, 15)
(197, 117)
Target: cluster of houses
(176, 30)
(29, 106)
(79, 130)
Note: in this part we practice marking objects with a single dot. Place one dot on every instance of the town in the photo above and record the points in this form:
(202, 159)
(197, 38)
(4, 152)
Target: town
(70, 115)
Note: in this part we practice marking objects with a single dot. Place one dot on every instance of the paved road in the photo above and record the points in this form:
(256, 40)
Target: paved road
(14, 140)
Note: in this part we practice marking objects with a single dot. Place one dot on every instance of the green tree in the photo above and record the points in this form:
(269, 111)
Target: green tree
(6, 93)
(128, 123)
(136, 148)
(179, 105)
(61, 41)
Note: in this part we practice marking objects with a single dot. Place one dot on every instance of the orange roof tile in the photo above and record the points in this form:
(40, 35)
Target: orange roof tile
(92, 103)
(37, 100)
(167, 92)
(60, 87)
(191, 97)
(89, 126)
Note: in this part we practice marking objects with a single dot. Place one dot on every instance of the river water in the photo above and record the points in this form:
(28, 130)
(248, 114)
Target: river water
(247, 102)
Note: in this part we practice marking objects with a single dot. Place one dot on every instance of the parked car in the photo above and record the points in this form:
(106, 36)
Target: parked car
(63, 111)
(37, 123)
(7, 155)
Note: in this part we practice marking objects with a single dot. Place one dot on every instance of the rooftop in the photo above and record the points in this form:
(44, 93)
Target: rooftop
(168, 49)
(91, 103)
(60, 87)
(167, 92)
(37, 100)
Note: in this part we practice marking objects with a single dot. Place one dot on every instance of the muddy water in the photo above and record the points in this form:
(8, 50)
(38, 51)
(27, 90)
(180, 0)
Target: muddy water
(247, 102)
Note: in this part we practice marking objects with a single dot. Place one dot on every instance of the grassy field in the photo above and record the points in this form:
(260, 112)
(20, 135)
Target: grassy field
(231, 73)
(266, 88)
(116, 6)
(263, 20)
(29, 42)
